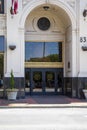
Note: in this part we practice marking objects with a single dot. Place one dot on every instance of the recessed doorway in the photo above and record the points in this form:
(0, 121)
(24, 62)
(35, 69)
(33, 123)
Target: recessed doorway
(42, 81)
(43, 68)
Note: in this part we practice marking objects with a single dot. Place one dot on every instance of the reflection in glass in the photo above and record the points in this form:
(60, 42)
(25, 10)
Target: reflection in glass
(51, 51)
(1, 44)
(1, 6)
(44, 80)
(37, 81)
(1, 73)
(50, 81)
(27, 81)
(60, 82)
(1, 60)
(43, 52)
(33, 51)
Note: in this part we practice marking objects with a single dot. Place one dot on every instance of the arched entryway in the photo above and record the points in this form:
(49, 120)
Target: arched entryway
(47, 24)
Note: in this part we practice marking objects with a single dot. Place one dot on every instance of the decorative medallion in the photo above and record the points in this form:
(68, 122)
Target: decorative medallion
(37, 76)
(43, 23)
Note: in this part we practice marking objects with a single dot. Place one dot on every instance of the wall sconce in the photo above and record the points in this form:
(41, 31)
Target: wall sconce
(84, 48)
(46, 8)
(12, 47)
(85, 14)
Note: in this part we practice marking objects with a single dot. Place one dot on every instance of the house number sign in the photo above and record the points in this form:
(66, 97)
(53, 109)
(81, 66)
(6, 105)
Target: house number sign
(83, 39)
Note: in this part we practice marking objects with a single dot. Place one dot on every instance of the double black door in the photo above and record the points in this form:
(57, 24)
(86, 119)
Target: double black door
(42, 81)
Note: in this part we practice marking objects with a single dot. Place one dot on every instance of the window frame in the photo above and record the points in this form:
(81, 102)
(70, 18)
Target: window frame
(3, 43)
(44, 51)
(2, 4)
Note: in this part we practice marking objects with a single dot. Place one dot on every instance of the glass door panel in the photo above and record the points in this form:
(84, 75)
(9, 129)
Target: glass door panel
(50, 82)
(27, 81)
(37, 81)
(60, 82)
(43, 81)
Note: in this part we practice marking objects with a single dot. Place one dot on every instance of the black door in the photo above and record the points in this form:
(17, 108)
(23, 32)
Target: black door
(43, 81)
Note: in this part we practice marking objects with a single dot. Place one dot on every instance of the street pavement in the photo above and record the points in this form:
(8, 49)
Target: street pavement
(43, 119)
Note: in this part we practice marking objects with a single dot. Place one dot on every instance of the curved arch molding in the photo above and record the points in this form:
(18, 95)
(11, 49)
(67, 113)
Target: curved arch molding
(33, 4)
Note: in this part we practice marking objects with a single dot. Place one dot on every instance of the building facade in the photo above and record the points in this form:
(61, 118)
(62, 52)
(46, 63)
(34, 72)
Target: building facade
(45, 44)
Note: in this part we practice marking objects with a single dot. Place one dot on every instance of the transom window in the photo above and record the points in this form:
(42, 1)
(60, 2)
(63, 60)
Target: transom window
(43, 52)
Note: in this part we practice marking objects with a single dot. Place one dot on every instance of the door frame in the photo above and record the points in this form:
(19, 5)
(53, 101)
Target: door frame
(44, 70)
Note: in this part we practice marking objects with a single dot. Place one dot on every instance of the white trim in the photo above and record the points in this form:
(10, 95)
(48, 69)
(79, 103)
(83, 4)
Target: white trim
(70, 13)
(33, 4)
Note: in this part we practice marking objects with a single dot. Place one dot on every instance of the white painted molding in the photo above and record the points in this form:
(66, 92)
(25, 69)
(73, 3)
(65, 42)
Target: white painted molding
(33, 4)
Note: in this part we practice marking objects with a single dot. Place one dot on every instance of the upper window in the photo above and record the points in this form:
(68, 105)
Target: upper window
(43, 52)
(1, 44)
(1, 60)
(1, 6)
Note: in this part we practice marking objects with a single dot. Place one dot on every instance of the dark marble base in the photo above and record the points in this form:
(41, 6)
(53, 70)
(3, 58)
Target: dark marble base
(72, 86)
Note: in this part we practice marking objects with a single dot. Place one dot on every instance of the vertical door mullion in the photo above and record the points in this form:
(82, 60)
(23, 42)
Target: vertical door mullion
(31, 75)
(44, 82)
(56, 82)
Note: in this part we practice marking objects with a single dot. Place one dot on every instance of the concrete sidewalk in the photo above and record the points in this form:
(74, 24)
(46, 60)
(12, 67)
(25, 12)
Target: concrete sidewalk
(44, 102)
